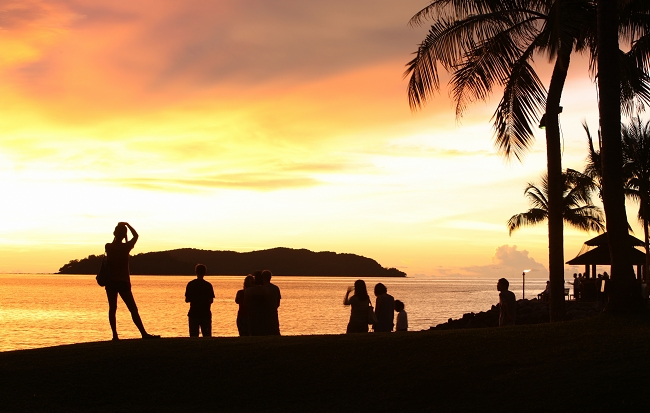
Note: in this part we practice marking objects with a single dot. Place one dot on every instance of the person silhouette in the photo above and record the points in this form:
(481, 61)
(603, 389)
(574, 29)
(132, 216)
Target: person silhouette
(359, 304)
(507, 304)
(275, 297)
(200, 294)
(257, 300)
(242, 312)
(119, 280)
(384, 309)
(402, 318)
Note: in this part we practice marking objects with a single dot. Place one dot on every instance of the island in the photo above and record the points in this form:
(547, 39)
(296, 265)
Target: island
(281, 261)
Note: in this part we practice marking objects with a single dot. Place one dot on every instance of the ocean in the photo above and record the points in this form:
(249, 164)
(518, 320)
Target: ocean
(40, 310)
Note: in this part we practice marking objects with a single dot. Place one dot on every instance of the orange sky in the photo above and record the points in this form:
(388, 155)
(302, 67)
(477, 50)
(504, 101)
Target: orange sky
(246, 125)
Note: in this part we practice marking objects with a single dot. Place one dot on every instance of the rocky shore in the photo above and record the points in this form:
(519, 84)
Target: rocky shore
(528, 312)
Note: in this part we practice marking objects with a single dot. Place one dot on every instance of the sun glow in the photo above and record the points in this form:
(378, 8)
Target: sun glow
(248, 131)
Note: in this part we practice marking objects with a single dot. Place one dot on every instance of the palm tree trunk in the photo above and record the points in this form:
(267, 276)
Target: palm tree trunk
(644, 220)
(624, 293)
(644, 192)
(555, 184)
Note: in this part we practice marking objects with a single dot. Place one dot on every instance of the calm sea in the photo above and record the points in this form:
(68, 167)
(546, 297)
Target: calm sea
(38, 310)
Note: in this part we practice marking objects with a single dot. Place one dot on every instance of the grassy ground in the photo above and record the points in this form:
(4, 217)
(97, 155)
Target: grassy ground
(592, 365)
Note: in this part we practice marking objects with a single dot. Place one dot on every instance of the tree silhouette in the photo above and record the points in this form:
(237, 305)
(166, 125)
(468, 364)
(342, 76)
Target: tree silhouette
(578, 212)
(635, 144)
(492, 43)
(636, 171)
(626, 20)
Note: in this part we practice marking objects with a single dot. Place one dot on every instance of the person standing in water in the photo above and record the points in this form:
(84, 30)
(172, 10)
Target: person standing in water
(119, 281)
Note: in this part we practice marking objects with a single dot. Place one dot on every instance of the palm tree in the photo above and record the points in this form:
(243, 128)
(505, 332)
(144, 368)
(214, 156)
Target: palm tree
(636, 170)
(611, 17)
(488, 43)
(578, 210)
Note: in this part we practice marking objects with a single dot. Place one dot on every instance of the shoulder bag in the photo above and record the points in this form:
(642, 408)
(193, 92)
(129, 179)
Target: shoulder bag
(104, 274)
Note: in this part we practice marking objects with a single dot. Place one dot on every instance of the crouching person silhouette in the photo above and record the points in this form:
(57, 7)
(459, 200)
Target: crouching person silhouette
(200, 294)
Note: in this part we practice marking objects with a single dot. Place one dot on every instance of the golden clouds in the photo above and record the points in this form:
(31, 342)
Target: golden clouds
(239, 125)
(28, 27)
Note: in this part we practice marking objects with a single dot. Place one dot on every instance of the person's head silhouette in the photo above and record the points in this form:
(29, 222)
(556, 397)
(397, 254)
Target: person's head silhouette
(380, 289)
(259, 280)
(266, 276)
(200, 271)
(360, 290)
(120, 231)
(503, 284)
(249, 281)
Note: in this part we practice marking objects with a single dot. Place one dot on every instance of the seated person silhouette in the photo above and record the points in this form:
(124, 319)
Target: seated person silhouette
(507, 304)
(200, 294)
(546, 294)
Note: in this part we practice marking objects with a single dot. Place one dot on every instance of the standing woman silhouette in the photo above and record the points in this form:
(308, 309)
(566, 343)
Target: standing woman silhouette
(359, 304)
(117, 257)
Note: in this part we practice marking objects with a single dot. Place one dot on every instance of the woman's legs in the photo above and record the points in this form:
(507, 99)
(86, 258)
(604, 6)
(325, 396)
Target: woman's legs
(112, 309)
(127, 297)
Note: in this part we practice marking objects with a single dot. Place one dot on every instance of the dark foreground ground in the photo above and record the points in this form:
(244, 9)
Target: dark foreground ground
(600, 364)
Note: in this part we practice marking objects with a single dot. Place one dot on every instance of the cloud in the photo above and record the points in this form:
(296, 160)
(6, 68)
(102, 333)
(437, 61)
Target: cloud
(510, 257)
(423, 151)
(507, 261)
(256, 181)
(119, 49)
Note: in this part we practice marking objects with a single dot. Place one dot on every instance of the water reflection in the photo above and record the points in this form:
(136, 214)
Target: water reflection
(43, 310)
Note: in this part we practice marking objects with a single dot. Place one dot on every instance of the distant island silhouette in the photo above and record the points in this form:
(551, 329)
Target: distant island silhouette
(281, 261)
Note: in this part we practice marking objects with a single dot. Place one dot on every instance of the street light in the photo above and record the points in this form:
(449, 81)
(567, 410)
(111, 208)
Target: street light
(523, 284)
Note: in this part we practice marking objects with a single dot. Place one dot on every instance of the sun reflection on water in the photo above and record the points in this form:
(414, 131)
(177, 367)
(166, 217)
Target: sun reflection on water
(38, 310)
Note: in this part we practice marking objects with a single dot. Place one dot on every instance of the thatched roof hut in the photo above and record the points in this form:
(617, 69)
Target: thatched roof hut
(596, 252)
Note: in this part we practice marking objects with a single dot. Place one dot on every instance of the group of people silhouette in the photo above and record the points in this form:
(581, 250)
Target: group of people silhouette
(381, 317)
(258, 300)
(590, 287)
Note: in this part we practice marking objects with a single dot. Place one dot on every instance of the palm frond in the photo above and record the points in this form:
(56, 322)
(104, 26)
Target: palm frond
(578, 210)
(537, 198)
(533, 216)
(586, 218)
(524, 97)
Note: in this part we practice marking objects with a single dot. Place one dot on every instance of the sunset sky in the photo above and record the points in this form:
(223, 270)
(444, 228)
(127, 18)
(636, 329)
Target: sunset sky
(246, 125)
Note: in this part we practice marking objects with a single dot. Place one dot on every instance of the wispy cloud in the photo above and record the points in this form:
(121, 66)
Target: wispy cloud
(226, 181)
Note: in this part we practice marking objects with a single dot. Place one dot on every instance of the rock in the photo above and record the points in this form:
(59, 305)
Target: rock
(528, 312)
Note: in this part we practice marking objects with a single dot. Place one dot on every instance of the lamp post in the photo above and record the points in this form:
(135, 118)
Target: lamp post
(523, 284)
